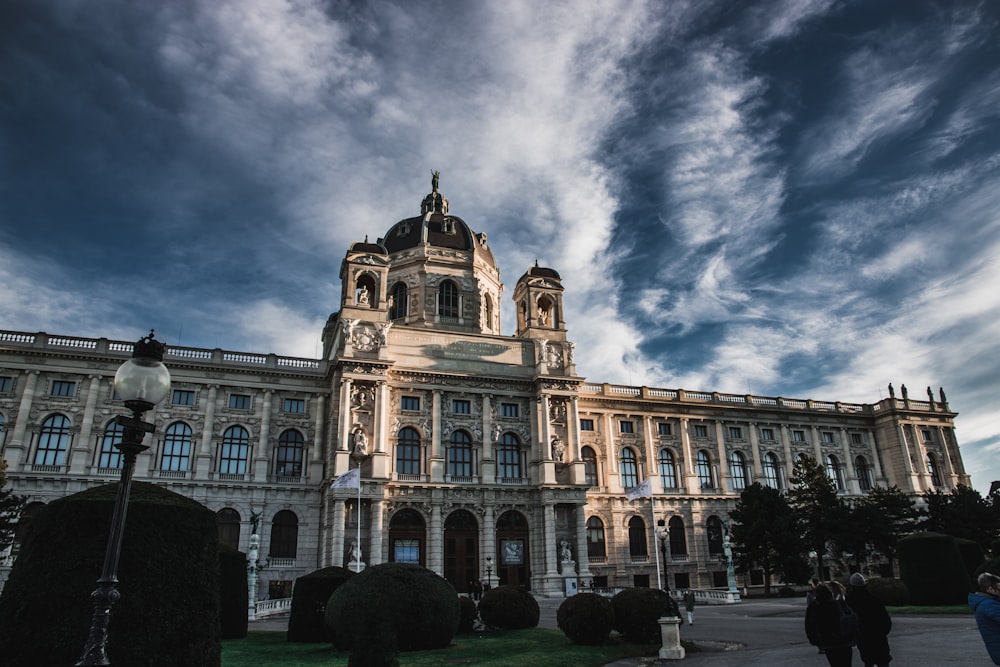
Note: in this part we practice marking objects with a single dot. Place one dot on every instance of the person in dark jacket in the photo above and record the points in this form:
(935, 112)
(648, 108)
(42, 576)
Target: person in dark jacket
(823, 628)
(986, 604)
(873, 645)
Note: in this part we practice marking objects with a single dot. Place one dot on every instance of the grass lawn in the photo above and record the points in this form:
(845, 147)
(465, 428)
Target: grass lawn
(535, 647)
(940, 609)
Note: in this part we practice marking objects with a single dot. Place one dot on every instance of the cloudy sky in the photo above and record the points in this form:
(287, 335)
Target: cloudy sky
(790, 197)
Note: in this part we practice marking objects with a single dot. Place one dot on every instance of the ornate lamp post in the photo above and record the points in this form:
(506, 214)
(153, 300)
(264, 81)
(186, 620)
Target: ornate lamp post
(141, 383)
(489, 571)
(663, 534)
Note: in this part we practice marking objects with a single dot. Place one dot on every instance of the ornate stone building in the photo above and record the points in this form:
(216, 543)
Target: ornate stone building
(482, 456)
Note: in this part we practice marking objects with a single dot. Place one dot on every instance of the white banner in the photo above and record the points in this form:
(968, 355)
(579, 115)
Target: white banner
(644, 490)
(349, 480)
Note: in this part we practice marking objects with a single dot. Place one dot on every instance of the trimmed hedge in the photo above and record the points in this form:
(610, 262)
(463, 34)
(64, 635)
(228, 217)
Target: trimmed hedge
(509, 608)
(972, 555)
(168, 614)
(586, 619)
(933, 570)
(468, 613)
(407, 605)
(309, 597)
(892, 592)
(638, 612)
(233, 600)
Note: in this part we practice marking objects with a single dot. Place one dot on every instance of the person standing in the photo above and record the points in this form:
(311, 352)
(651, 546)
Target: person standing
(873, 645)
(986, 604)
(823, 628)
(689, 605)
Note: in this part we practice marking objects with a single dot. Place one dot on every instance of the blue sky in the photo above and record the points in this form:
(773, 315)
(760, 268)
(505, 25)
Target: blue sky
(796, 198)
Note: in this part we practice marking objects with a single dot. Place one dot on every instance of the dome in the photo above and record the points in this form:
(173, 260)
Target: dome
(540, 272)
(366, 247)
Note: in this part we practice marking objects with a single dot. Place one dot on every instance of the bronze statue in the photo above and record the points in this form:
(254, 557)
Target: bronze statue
(435, 180)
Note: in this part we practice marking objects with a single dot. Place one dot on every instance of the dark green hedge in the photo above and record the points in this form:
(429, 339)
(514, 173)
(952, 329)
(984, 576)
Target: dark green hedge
(586, 618)
(509, 608)
(233, 600)
(890, 591)
(309, 598)
(638, 612)
(468, 613)
(168, 614)
(933, 570)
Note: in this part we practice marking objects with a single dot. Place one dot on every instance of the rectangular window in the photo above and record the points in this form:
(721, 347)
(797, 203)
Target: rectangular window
(406, 551)
(926, 435)
(508, 409)
(295, 406)
(239, 401)
(663, 428)
(626, 427)
(735, 433)
(700, 431)
(182, 397)
(63, 388)
(827, 437)
(586, 424)
(6, 385)
(799, 436)
(856, 439)
(409, 403)
(767, 434)
(461, 407)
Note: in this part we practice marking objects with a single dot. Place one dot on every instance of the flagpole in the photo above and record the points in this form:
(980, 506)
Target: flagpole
(656, 556)
(358, 566)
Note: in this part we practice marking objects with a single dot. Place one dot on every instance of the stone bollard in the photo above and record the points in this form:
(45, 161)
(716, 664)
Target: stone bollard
(670, 638)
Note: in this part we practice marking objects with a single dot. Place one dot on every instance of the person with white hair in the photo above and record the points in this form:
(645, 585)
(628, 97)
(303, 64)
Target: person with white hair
(986, 604)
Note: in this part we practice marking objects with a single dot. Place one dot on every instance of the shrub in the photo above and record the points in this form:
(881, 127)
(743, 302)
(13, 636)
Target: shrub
(509, 608)
(638, 611)
(168, 613)
(586, 618)
(890, 591)
(992, 565)
(309, 598)
(972, 555)
(467, 615)
(932, 569)
(404, 604)
(233, 599)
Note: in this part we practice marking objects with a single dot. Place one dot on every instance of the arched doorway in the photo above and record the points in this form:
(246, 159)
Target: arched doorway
(461, 550)
(407, 537)
(512, 550)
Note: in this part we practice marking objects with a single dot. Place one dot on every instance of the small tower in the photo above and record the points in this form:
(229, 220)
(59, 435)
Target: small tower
(363, 276)
(538, 298)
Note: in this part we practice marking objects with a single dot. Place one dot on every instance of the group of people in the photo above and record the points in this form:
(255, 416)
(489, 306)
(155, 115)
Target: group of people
(837, 619)
(477, 588)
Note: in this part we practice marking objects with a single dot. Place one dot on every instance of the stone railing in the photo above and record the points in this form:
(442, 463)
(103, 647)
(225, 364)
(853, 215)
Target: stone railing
(265, 608)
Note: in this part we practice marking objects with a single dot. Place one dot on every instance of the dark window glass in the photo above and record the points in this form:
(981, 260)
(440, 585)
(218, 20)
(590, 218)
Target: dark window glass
(408, 452)
(460, 455)
(668, 473)
(176, 447)
(508, 409)
(586, 424)
(864, 473)
(111, 456)
(235, 451)
(182, 397)
(6, 385)
(678, 540)
(663, 428)
(53, 441)
(448, 299)
(700, 431)
(239, 401)
(595, 538)
(589, 466)
(227, 524)
(637, 537)
(284, 535)
(703, 466)
(738, 469)
(410, 403)
(291, 445)
(713, 528)
(295, 406)
(626, 427)
(772, 471)
(398, 299)
(461, 407)
(63, 388)
(628, 468)
(508, 453)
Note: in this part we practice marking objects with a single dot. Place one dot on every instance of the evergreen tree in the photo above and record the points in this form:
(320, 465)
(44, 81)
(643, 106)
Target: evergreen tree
(889, 514)
(766, 535)
(962, 513)
(819, 511)
(10, 509)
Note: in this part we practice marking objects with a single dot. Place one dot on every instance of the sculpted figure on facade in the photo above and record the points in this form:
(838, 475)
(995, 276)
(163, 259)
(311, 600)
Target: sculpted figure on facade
(565, 551)
(558, 449)
(354, 554)
(363, 296)
(383, 332)
(359, 442)
(348, 326)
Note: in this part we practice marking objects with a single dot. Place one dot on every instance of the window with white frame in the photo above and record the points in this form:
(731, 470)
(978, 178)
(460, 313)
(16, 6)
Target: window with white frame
(235, 451)
(176, 447)
(835, 472)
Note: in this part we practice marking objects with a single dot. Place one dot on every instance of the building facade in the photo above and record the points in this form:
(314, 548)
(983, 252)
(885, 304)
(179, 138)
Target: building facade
(482, 456)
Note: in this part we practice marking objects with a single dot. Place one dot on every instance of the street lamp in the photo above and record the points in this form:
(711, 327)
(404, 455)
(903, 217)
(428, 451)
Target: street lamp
(663, 534)
(489, 571)
(141, 383)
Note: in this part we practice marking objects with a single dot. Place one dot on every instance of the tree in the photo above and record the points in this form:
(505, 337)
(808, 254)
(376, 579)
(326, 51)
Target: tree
(10, 509)
(814, 501)
(962, 513)
(766, 535)
(889, 515)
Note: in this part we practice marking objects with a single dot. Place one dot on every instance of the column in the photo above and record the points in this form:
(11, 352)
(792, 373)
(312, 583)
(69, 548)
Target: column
(724, 474)
(688, 472)
(551, 552)
(573, 430)
(647, 441)
(876, 463)
(949, 469)
(375, 555)
(79, 459)
(203, 463)
(817, 449)
(487, 427)
(489, 546)
(263, 455)
(614, 478)
(337, 530)
(582, 555)
(344, 428)
(382, 434)
(758, 469)
(439, 463)
(852, 474)
(786, 448)
(435, 541)
(15, 449)
(544, 428)
(313, 469)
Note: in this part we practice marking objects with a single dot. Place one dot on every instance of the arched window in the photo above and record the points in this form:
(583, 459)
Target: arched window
(448, 299)
(703, 466)
(176, 447)
(668, 473)
(111, 456)
(488, 312)
(235, 451)
(589, 466)
(595, 539)
(400, 302)
(713, 529)
(933, 470)
(772, 471)
(53, 441)
(738, 469)
(508, 454)
(366, 292)
(637, 537)
(408, 452)
(835, 472)
(864, 473)
(628, 468)
(227, 523)
(678, 541)
(284, 535)
(460, 455)
(288, 462)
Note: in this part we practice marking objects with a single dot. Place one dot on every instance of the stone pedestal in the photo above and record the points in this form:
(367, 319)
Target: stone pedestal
(670, 639)
(355, 566)
(568, 568)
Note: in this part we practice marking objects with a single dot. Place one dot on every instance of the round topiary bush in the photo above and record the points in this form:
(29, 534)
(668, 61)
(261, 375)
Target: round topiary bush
(509, 608)
(309, 597)
(168, 613)
(467, 615)
(405, 604)
(932, 568)
(638, 612)
(233, 600)
(586, 618)
(890, 591)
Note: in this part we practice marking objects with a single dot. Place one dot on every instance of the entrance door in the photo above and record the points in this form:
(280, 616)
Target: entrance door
(513, 550)
(461, 550)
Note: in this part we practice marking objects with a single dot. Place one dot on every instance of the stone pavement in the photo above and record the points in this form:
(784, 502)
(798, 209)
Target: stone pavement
(771, 633)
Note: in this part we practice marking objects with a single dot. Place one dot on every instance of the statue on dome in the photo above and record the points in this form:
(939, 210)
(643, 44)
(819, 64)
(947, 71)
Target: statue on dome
(435, 180)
